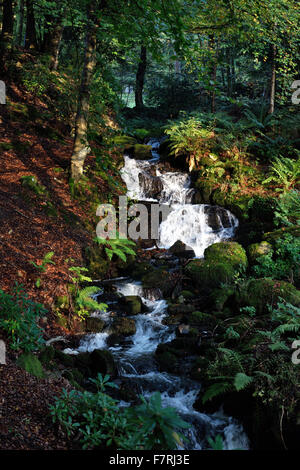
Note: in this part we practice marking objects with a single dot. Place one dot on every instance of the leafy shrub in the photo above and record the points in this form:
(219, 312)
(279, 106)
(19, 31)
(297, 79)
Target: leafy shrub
(283, 263)
(100, 422)
(117, 246)
(18, 318)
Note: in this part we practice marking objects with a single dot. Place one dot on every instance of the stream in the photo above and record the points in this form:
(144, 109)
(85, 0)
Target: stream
(198, 226)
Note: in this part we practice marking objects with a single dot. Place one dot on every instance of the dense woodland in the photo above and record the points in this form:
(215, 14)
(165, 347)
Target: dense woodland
(217, 85)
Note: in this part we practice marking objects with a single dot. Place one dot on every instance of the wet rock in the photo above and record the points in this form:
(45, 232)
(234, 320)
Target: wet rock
(182, 250)
(217, 217)
(94, 325)
(102, 361)
(123, 326)
(221, 262)
(152, 185)
(174, 309)
(132, 304)
(141, 152)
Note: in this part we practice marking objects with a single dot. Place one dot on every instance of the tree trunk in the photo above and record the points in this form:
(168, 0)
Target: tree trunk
(81, 147)
(30, 41)
(213, 74)
(19, 32)
(7, 24)
(273, 81)
(140, 78)
(52, 42)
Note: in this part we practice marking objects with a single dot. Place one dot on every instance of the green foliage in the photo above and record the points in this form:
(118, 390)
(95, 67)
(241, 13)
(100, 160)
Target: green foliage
(159, 424)
(283, 263)
(31, 364)
(117, 246)
(285, 171)
(188, 137)
(42, 268)
(19, 316)
(216, 444)
(101, 423)
(288, 208)
(82, 298)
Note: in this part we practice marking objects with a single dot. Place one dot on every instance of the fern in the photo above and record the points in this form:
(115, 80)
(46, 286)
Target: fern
(242, 380)
(117, 246)
(285, 171)
(215, 390)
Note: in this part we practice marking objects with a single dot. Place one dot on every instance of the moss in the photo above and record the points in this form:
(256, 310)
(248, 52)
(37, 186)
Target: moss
(142, 152)
(5, 146)
(138, 270)
(209, 274)
(65, 359)
(199, 318)
(187, 294)
(227, 252)
(123, 326)
(31, 364)
(219, 297)
(124, 141)
(96, 262)
(94, 325)
(30, 182)
(174, 309)
(260, 293)
(158, 278)
(132, 304)
(46, 357)
(258, 249)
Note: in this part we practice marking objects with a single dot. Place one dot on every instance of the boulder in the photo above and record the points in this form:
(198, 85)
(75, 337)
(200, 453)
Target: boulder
(217, 218)
(141, 152)
(182, 250)
(209, 274)
(152, 185)
(227, 252)
(123, 326)
(256, 250)
(132, 304)
(94, 325)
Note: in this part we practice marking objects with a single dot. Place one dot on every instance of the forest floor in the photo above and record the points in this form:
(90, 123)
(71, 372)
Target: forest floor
(33, 224)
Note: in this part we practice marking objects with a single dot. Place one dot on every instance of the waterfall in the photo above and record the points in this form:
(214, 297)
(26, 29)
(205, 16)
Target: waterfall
(198, 226)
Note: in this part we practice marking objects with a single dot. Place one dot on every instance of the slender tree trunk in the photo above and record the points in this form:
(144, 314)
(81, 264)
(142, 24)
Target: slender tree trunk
(52, 42)
(212, 44)
(273, 81)
(20, 24)
(30, 41)
(81, 147)
(7, 24)
(140, 78)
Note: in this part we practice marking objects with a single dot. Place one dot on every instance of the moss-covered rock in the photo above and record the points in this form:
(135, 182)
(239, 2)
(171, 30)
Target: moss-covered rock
(227, 252)
(221, 262)
(183, 309)
(132, 304)
(219, 297)
(159, 279)
(209, 274)
(31, 364)
(94, 325)
(260, 293)
(142, 152)
(200, 318)
(256, 250)
(125, 142)
(47, 357)
(123, 326)
(96, 261)
(102, 361)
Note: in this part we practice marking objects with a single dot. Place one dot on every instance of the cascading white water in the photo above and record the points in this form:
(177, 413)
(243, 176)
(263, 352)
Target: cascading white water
(188, 223)
(198, 226)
